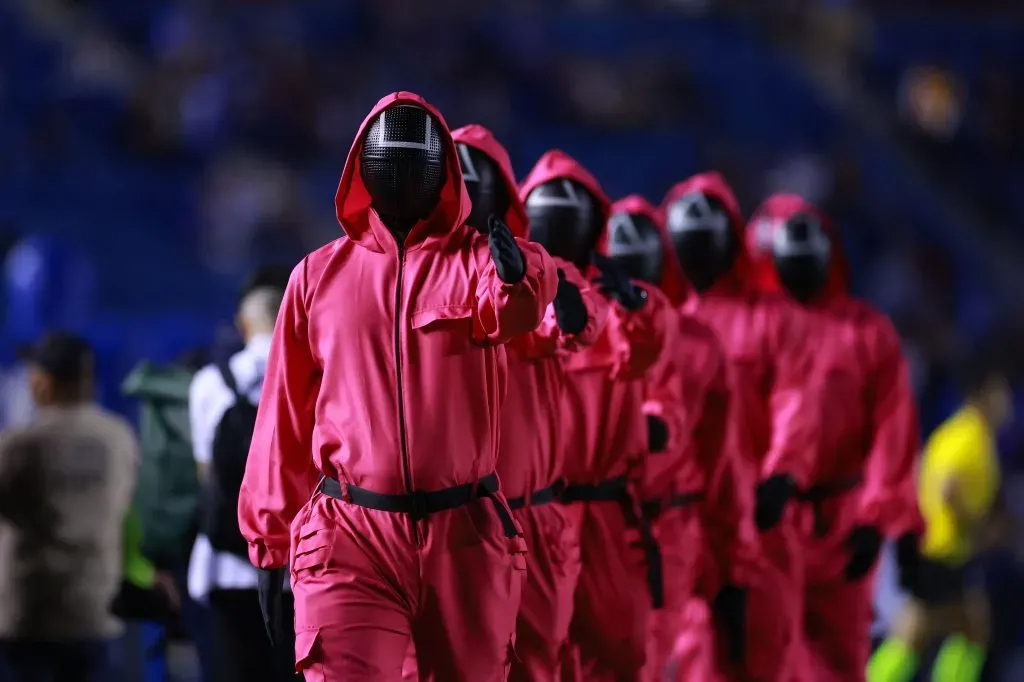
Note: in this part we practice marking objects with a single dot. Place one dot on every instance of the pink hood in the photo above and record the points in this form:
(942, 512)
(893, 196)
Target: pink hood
(556, 164)
(780, 207)
(673, 281)
(352, 201)
(483, 140)
(714, 185)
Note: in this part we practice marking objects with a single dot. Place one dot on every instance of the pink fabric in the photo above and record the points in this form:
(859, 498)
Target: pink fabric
(777, 399)
(863, 357)
(838, 617)
(357, 575)
(612, 602)
(604, 435)
(367, 339)
(553, 568)
(529, 458)
(530, 455)
(871, 432)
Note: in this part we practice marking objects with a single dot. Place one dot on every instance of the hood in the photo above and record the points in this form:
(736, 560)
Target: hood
(780, 207)
(555, 164)
(483, 140)
(673, 281)
(714, 185)
(352, 201)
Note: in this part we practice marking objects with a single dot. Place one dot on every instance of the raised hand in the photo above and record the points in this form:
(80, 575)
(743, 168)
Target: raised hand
(505, 252)
(616, 285)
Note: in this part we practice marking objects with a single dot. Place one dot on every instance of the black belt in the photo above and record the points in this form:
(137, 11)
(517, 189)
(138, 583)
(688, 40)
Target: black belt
(617, 490)
(421, 504)
(653, 508)
(817, 495)
(552, 493)
(611, 490)
(652, 550)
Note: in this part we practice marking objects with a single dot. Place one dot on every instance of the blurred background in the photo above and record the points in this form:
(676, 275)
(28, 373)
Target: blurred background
(152, 152)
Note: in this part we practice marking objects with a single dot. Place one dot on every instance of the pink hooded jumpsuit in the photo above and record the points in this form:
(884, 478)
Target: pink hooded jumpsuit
(696, 492)
(605, 439)
(867, 449)
(778, 403)
(386, 376)
(530, 461)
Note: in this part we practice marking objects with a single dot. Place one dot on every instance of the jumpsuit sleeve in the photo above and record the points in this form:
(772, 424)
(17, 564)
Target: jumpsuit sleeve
(888, 499)
(548, 339)
(504, 310)
(278, 471)
(727, 513)
(793, 401)
(639, 337)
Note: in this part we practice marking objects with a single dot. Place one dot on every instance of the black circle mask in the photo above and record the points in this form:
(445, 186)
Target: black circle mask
(565, 219)
(703, 238)
(402, 164)
(486, 186)
(634, 243)
(802, 253)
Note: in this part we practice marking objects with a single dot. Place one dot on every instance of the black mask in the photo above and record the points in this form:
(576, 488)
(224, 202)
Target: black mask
(634, 243)
(486, 186)
(703, 238)
(403, 166)
(802, 252)
(565, 219)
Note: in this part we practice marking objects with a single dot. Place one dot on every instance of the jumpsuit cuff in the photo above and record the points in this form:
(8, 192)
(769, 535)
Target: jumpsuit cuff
(267, 558)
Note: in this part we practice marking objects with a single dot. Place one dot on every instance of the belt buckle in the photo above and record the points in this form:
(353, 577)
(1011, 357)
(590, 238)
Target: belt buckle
(559, 486)
(418, 505)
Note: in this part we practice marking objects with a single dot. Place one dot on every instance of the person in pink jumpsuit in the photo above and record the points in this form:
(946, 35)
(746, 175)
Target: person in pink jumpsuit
(863, 487)
(696, 491)
(530, 460)
(383, 395)
(604, 432)
(765, 338)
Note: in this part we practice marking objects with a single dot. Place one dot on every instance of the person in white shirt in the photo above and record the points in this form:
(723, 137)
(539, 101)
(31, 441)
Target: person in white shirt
(224, 581)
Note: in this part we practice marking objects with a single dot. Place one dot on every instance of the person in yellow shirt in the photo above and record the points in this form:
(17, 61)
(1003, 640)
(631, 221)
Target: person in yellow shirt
(958, 488)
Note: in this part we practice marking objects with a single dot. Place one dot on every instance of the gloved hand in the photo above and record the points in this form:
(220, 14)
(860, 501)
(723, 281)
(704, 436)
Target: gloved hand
(729, 610)
(908, 558)
(772, 495)
(570, 311)
(657, 434)
(864, 543)
(270, 589)
(505, 252)
(616, 285)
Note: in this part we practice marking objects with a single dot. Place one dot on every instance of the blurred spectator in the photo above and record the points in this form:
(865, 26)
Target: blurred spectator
(66, 482)
(932, 100)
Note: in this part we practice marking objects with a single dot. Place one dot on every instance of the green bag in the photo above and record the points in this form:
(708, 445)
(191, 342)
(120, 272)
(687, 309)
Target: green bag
(167, 496)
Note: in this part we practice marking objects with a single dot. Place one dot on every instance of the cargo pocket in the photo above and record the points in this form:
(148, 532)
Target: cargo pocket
(308, 656)
(312, 548)
(443, 330)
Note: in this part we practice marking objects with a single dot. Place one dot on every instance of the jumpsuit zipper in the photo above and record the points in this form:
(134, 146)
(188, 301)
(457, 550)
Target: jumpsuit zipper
(403, 441)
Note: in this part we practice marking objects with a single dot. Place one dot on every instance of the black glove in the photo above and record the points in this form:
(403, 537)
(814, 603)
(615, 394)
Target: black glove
(657, 434)
(772, 495)
(570, 311)
(505, 252)
(271, 589)
(616, 285)
(908, 559)
(730, 613)
(864, 543)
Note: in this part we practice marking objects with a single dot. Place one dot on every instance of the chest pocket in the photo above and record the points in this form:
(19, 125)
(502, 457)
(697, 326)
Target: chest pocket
(442, 330)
